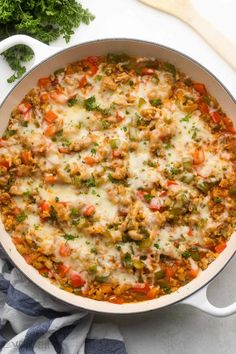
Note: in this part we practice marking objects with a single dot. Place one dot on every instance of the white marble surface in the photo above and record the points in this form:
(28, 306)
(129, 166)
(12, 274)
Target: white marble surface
(177, 329)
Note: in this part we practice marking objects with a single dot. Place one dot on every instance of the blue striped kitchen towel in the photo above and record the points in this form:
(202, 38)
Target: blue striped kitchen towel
(32, 322)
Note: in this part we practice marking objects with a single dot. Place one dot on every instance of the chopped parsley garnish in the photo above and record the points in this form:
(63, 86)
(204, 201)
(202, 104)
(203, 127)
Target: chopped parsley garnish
(90, 182)
(170, 68)
(93, 151)
(90, 104)
(127, 260)
(72, 102)
(148, 197)
(156, 245)
(69, 237)
(186, 118)
(155, 102)
(43, 20)
(21, 217)
(186, 254)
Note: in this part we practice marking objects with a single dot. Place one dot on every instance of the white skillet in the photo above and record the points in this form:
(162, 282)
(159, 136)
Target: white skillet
(47, 60)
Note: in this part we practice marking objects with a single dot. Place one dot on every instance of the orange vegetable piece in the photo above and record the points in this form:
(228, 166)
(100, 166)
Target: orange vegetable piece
(76, 280)
(64, 250)
(63, 269)
(50, 117)
(116, 299)
(170, 271)
(200, 88)
(64, 150)
(152, 293)
(89, 160)
(119, 117)
(44, 82)
(216, 117)
(50, 179)
(148, 71)
(45, 208)
(198, 157)
(141, 288)
(4, 163)
(229, 125)
(83, 82)
(26, 157)
(44, 97)
(220, 247)
(89, 210)
(50, 130)
(193, 273)
(203, 107)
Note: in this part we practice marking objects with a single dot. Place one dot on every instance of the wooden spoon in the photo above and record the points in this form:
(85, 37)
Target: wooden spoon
(184, 10)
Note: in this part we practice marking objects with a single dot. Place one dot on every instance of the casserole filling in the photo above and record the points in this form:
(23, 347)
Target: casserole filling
(118, 178)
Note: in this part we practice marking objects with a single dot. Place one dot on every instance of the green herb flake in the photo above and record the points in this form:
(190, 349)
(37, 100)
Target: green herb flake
(155, 102)
(72, 102)
(21, 217)
(69, 237)
(186, 118)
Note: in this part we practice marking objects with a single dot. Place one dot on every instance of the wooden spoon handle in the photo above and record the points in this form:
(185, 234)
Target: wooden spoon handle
(222, 45)
(184, 10)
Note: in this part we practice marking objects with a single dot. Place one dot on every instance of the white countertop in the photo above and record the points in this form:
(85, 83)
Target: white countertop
(177, 329)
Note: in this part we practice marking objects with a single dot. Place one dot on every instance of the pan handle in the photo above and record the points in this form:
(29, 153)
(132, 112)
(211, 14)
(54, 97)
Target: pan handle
(40, 49)
(200, 301)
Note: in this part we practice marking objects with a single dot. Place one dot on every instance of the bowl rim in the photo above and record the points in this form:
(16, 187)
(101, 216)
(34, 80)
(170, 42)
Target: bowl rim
(115, 308)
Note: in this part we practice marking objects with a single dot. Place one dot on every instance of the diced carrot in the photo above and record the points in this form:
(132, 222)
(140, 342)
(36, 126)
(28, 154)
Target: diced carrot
(116, 299)
(17, 240)
(44, 82)
(200, 88)
(24, 107)
(193, 273)
(170, 271)
(220, 247)
(190, 231)
(216, 117)
(16, 211)
(50, 179)
(229, 125)
(26, 157)
(44, 271)
(152, 293)
(116, 154)
(148, 71)
(44, 97)
(4, 163)
(63, 269)
(89, 210)
(198, 157)
(119, 117)
(64, 150)
(141, 288)
(89, 160)
(50, 130)
(171, 183)
(76, 280)
(50, 117)
(64, 250)
(95, 60)
(44, 209)
(83, 82)
(203, 107)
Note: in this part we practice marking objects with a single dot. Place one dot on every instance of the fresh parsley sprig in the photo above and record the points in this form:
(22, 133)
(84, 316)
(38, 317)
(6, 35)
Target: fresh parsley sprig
(44, 20)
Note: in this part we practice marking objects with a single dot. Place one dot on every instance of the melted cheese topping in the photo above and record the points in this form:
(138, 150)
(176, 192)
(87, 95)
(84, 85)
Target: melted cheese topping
(112, 173)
